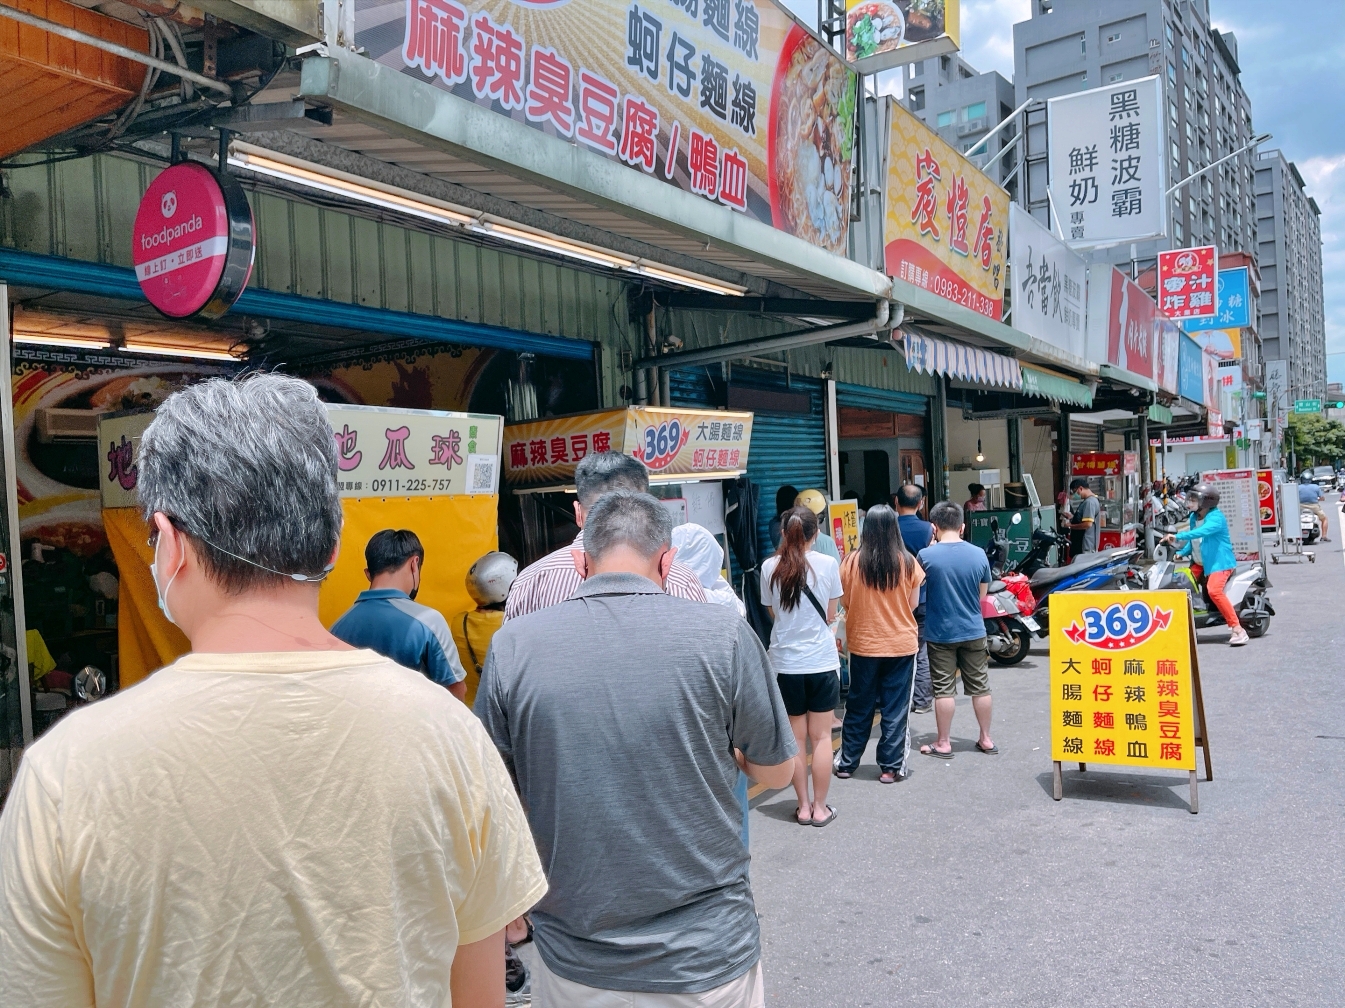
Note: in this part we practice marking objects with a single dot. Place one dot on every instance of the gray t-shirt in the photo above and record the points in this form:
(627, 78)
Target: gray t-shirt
(619, 710)
(1088, 507)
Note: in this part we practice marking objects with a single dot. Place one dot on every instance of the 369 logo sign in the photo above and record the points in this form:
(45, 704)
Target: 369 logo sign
(661, 444)
(1119, 627)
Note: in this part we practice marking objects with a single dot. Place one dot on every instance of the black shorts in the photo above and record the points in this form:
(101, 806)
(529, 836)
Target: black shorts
(812, 692)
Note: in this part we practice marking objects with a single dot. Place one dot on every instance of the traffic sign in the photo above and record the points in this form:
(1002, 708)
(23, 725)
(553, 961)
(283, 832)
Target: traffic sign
(1307, 405)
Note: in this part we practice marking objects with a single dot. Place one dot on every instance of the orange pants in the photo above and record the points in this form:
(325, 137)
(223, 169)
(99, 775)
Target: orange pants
(1214, 585)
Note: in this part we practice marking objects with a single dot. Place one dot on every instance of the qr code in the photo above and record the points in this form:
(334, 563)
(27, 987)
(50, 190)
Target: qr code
(482, 471)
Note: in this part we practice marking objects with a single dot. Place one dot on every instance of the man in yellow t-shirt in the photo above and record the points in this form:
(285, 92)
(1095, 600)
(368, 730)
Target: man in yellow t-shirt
(277, 818)
(488, 583)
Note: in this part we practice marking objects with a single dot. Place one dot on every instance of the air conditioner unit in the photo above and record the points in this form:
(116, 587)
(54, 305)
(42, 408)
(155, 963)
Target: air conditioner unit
(65, 424)
(974, 126)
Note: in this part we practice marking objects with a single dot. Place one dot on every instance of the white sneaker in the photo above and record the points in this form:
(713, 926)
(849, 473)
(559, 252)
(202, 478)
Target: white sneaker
(1238, 637)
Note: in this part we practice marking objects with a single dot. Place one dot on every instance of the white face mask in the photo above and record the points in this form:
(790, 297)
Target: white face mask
(163, 592)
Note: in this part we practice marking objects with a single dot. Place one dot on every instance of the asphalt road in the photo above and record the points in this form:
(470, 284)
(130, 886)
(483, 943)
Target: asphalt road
(968, 884)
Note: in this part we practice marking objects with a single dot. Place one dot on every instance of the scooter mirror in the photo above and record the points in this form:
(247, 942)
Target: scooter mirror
(90, 683)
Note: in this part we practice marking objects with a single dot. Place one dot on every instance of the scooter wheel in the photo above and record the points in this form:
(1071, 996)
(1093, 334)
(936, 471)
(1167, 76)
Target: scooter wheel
(1023, 642)
(1257, 627)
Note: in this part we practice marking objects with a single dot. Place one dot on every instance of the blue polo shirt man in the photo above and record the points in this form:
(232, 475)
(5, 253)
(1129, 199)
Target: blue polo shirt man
(387, 619)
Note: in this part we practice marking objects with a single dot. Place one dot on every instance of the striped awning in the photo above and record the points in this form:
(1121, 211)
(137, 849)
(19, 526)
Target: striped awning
(1046, 385)
(957, 360)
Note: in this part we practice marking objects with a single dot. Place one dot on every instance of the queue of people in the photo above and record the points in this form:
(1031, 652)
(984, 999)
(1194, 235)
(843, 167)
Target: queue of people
(293, 815)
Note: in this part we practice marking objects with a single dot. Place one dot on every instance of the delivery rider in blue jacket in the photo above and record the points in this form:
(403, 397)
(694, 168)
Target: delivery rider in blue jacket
(1215, 560)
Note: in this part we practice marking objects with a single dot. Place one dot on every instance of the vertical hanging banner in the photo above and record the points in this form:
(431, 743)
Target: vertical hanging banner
(946, 227)
(1107, 163)
(1132, 326)
(1191, 370)
(1125, 683)
(1049, 284)
(732, 100)
(843, 517)
(1188, 282)
(1167, 360)
(881, 34)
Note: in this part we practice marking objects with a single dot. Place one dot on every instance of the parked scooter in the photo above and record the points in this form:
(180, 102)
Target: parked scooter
(1246, 589)
(1008, 630)
(1087, 572)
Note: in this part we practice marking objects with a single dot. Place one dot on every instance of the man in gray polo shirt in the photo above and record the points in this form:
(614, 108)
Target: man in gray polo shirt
(625, 714)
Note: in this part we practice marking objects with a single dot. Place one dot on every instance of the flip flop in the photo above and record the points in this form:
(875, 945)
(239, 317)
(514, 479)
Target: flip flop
(931, 751)
(992, 751)
(888, 777)
(827, 821)
(802, 822)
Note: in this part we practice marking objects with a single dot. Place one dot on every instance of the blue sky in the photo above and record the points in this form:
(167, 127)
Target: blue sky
(1292, 56)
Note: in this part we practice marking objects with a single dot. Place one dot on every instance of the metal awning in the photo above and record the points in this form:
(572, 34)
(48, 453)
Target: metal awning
(394, 118)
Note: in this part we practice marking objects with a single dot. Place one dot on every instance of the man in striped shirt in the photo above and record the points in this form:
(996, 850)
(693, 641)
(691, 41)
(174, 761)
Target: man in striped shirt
(555, 577)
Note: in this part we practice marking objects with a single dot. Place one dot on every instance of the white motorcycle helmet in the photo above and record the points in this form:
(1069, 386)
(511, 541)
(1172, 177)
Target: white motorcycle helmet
(489, 578)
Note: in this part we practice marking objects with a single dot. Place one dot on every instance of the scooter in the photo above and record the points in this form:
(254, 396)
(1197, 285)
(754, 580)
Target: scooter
(1088, 571)
(1008, 630)
(1246, 589)
(1310, 527)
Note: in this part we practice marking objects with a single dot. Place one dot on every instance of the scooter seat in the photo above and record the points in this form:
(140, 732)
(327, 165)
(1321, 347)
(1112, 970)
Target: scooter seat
(995, 587)
(1048, 576)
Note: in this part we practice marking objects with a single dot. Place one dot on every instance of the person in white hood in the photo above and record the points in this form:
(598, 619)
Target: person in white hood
(699, 550)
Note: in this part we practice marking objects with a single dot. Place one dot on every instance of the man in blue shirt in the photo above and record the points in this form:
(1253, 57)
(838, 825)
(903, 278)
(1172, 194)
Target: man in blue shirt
(1310, 496)
(387, 619)
(917, 533)
(1216, 560)
(957, 575)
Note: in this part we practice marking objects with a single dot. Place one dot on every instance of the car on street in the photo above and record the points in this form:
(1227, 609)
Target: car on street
(1324, 476)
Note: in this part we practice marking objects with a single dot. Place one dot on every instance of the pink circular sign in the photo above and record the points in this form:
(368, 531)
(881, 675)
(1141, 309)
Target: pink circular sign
(192, 243)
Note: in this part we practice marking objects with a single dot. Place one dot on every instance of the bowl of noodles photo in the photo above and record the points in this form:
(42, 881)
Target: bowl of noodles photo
(811, 142)
(871, 28)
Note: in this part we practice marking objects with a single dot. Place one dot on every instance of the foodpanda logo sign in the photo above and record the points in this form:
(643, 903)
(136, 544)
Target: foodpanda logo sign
(168, 205)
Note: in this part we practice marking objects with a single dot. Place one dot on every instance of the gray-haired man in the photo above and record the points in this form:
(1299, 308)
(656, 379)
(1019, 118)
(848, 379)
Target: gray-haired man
(275, 818)
(637, 821)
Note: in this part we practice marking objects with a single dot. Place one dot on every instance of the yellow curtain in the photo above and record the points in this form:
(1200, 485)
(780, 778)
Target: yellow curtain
(145, 639)
(455, 531)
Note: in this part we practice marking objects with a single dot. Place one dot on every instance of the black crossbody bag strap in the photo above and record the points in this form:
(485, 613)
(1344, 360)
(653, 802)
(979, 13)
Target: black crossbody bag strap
(816, 604)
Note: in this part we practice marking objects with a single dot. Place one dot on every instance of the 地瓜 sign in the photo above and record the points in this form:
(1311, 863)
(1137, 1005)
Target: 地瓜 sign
(946, 225)
(1125, 684)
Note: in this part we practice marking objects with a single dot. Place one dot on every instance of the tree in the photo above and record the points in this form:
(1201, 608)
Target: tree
(1316, 440)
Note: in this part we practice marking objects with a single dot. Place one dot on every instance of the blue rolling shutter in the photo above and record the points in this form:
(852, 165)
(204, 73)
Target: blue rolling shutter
(884, 400)
(787, 448)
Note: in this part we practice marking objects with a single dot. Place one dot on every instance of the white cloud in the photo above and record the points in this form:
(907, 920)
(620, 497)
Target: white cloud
(987, 32)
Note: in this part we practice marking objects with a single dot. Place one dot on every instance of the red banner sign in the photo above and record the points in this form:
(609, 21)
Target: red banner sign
(1132, 328)
(1188, 281)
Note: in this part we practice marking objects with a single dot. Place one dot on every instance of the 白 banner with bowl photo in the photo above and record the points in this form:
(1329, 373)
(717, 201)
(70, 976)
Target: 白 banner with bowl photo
(880, 34)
